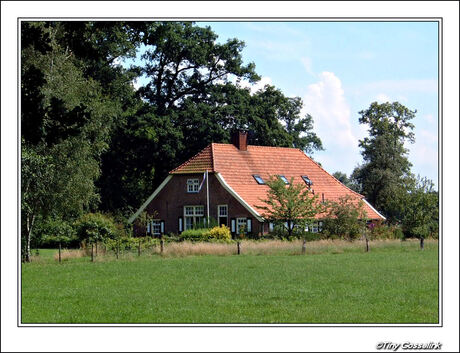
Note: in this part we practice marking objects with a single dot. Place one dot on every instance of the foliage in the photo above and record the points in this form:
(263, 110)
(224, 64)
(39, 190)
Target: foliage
(95, 227)
(53, 231)
(222, 233)
(291, 203)
(344, 218)
(421, 210)
(129, 243)
(386, 168)
(207, 234)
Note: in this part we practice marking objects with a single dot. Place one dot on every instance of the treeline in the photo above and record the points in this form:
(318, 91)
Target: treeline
(92, 142)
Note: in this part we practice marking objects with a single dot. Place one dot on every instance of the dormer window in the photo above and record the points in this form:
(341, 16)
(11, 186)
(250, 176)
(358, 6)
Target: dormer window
(259, 179)
(284, 179)
(193, 185)
(307, 180)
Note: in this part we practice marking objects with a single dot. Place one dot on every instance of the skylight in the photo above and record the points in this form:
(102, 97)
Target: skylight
(283, 178)
(307, 180)
(259, 179)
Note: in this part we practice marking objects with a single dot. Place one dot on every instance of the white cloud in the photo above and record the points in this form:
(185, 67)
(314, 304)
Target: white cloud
(325, 101)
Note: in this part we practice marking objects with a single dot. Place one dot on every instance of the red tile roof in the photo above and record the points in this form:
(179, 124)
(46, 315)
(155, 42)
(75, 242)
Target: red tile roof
(238, 167)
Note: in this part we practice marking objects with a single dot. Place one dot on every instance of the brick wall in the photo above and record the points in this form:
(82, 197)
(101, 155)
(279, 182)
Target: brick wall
(170, 202)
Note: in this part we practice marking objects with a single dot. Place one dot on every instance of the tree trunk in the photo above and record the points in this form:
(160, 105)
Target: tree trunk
(30, 223)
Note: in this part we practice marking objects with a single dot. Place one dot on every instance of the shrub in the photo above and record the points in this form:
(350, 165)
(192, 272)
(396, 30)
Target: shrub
(222, 233)
(96, 227)
(345, 219)
(205, 234)
(54, 231)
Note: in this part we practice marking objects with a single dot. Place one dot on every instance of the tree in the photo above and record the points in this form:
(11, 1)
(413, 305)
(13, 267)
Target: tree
(386, 168)
(70, 95)
(293, 204)
(345, 218)
(342, 177)
(420, 210)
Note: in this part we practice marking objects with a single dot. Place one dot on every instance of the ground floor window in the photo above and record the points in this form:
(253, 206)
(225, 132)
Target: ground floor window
(222, 214)
(241, 223)
(193, 215)
(155, 227)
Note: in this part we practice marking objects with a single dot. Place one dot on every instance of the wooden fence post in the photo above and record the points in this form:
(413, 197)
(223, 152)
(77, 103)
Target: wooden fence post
(92, 252)
(367, 245)
(118, 247)
(421, 242)
(96, 247)
(238, 245)
(139, 247)
(304, 246)
(59, 252)
(162, 245)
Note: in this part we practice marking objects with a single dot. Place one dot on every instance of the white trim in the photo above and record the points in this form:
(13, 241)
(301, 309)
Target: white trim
(145, 204)
(367, 203)
(238, 197)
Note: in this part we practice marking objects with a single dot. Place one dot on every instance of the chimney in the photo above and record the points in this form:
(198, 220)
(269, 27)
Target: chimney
(240, 140)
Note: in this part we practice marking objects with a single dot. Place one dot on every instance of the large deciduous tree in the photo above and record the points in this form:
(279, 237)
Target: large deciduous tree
(385, 172)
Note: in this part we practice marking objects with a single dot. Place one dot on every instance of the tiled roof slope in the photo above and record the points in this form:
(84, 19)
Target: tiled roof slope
(238, 167)
(199, 163)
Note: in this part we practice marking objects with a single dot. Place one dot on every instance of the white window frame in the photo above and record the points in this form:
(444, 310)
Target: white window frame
(245, 221)
(193, 185)
(156, 223)
(219, 215)
(195, 216)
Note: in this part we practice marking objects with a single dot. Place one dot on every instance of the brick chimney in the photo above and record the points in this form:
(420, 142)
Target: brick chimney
(240, 140)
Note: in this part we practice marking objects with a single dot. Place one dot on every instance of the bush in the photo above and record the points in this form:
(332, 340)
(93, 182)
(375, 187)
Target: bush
(53, 231)
(206, 234)
(221, 233)
(129, 243)
(96, 227)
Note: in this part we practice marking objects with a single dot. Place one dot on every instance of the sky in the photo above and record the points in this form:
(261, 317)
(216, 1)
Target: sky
(339, 69)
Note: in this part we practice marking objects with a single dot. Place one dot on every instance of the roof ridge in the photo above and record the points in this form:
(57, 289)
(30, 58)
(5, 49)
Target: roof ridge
(336, 180)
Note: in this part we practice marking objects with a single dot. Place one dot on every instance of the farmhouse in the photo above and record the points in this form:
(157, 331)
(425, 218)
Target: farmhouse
(227, 181)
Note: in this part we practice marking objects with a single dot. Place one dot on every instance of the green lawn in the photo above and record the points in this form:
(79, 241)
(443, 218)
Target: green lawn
(398, 284)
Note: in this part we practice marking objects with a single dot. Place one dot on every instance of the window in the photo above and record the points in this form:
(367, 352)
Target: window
(241, 222)
(156, 227)
(307, 180)
(193, 185)
(283, 178)
(259, 179)
(222, 214)
(193, 215)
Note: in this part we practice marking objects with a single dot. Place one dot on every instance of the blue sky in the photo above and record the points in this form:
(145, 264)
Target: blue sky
(339, 69)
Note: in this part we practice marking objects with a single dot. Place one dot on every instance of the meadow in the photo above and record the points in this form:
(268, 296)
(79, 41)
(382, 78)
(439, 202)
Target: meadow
(335, 282)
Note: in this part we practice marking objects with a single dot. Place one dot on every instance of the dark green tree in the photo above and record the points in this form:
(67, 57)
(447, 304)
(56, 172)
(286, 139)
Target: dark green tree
(386, 168)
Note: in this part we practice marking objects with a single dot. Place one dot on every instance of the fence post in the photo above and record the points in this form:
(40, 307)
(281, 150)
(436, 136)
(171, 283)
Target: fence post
(162, 244)
(96, 247)
(304, 246)
(118, 247)
(421, 242)
(139, 247)
(92, 252)
(238, 244)
(59, 252)
(367, 244)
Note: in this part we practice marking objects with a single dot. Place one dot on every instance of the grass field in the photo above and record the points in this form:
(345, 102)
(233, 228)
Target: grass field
(394, 283)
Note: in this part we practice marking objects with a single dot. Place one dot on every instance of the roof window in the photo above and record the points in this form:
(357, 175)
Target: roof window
(283, 178)
(259, 179)
(307, 180)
